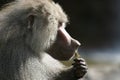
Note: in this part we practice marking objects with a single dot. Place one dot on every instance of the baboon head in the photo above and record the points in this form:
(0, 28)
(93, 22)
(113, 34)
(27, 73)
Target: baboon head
(40, 26)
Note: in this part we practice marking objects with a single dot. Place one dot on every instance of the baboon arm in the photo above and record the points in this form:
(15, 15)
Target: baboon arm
(67, 74)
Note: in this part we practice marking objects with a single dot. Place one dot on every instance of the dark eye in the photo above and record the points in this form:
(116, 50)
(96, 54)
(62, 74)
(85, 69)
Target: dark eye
(60, 24)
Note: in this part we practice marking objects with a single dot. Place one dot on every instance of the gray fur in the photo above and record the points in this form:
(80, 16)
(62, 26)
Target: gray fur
(23, 46)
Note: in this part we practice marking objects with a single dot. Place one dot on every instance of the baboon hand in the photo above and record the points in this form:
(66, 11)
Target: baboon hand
(79, 67)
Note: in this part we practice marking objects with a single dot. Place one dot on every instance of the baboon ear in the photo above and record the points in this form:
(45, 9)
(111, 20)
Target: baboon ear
(30, 19)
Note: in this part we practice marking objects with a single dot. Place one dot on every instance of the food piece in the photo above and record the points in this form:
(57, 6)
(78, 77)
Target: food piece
(77, 55)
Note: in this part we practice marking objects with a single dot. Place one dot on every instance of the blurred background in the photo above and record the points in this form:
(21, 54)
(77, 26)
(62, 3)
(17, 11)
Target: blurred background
(96, 24)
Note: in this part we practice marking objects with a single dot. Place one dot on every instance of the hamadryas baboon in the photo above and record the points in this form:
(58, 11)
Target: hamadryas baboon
(32, 40)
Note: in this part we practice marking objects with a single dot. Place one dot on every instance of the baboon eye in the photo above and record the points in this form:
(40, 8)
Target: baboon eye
(61, 24)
